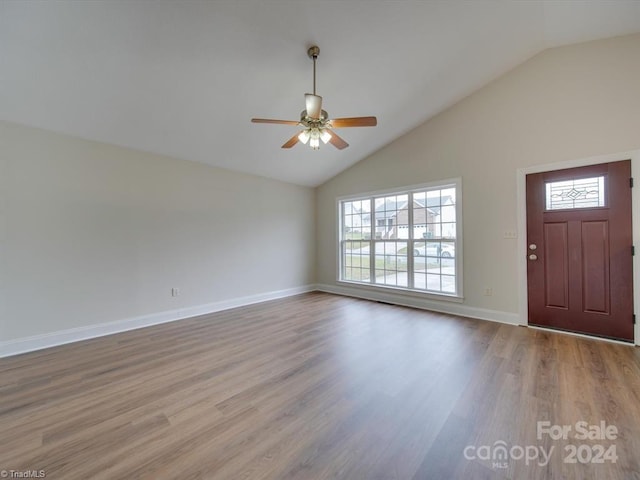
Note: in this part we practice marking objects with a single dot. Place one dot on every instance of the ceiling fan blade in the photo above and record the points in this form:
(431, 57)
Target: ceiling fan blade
(354, 122)
(292, 141)
(314, 105)
(269, 120)
(336, 141)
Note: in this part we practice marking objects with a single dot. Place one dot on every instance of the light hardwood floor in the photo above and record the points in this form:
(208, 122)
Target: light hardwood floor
(316, 387)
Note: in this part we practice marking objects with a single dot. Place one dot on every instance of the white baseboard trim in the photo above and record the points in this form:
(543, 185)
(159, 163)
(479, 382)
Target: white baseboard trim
(54, 339)
(425, 304)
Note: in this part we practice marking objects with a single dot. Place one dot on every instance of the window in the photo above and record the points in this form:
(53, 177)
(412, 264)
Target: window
(405, 239)
(575, 193)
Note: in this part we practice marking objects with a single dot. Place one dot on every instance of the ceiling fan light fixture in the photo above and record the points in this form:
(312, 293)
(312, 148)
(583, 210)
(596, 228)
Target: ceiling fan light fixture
(325, 136)
(304, 136)
(314, 138)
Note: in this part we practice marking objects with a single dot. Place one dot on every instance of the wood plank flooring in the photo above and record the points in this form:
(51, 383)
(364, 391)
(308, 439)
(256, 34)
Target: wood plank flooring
(315, 387)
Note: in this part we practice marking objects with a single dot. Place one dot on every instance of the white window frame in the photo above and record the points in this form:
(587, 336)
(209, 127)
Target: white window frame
(408, 190)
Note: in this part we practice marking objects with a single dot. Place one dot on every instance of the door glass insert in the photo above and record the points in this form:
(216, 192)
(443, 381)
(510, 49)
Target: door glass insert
(576, 193)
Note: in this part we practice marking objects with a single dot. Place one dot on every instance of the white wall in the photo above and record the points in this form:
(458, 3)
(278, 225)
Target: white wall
(566, 103)
(92, 233)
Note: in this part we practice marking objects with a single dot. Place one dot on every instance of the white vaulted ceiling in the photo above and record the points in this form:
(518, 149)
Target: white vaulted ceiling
(183, 78)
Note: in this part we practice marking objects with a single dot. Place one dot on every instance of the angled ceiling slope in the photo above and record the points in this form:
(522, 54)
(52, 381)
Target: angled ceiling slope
(184, 78)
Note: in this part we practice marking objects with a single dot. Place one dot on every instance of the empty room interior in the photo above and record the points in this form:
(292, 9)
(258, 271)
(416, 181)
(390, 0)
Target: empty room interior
(319, 239)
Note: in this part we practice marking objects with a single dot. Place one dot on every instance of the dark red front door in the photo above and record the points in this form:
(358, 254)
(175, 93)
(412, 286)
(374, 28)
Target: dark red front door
(579, 250)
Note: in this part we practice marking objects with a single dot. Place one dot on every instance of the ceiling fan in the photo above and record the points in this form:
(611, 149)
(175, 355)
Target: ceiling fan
(316, 122)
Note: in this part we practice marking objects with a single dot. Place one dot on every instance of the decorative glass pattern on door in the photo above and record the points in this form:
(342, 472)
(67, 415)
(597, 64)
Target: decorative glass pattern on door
(575, 193)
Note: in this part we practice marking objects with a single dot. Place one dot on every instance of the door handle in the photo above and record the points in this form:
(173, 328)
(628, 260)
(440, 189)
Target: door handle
(533, 256)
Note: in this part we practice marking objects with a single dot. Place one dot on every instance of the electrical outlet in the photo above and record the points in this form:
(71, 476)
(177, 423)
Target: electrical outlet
(488, 291)
(175, 292)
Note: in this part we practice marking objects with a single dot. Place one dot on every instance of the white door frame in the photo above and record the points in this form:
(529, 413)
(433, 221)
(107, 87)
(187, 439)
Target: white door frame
(521, 174)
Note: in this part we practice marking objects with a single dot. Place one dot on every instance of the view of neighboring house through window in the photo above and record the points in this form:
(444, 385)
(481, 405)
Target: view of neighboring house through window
(406, 239)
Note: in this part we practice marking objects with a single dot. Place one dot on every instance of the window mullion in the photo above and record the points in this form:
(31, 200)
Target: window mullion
(343, 251)
(372, 244)
(410, 243)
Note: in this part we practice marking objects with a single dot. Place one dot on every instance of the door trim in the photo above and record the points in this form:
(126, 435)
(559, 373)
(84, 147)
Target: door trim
(521, 199)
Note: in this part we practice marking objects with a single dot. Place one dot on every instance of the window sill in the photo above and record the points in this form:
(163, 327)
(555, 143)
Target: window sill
(403, 291)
